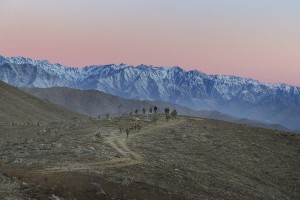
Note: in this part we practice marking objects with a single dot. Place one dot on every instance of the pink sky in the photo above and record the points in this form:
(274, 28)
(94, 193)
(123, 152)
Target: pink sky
(255, 39)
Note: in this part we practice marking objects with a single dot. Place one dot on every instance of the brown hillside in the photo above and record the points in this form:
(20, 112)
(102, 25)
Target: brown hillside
(89, 102)
(94, 103)
(184, 158)
(19, 106)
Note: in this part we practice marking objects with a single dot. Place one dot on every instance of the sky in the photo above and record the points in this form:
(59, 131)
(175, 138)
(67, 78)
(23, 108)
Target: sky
(258, 39)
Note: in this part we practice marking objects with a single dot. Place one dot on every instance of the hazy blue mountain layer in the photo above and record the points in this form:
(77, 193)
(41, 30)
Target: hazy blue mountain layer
(271, 103)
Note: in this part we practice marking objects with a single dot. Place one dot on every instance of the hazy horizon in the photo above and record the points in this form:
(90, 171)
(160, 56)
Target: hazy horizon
(252, 39)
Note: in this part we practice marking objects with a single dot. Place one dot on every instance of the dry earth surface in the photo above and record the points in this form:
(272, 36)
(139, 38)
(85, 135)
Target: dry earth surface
(185, 158)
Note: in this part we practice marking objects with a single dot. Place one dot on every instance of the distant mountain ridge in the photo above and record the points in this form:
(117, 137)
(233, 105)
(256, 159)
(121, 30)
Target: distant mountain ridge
(95, 103)
(246, 98)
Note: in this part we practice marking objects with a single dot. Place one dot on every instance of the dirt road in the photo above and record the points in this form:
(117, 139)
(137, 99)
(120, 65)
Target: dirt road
(120, 144)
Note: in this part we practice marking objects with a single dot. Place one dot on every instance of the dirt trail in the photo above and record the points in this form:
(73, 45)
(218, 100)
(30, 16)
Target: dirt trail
(119, 143)
(116, 162)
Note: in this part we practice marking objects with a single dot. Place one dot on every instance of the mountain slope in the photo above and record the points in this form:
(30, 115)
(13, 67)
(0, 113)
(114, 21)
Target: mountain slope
(19, 106)
(94, 103)
(246, 98)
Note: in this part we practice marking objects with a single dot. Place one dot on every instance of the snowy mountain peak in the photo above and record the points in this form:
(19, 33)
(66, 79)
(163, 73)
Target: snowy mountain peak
(176, 69)
(122, 65)
(22, 60)
(174, 84)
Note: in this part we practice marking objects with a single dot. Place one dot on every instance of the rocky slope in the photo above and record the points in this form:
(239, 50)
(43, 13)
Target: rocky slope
(187, 158)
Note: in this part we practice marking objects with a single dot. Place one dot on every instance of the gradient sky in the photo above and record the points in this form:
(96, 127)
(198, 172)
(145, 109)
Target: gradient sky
(249, 38)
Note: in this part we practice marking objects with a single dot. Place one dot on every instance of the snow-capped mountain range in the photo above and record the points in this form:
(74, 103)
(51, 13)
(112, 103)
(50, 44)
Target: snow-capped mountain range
(274, 103)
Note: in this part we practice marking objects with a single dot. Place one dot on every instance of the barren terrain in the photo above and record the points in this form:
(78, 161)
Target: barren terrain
(185, 158)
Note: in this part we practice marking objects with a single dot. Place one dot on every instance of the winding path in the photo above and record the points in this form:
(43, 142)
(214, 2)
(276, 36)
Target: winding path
(119, 143)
